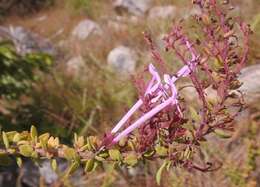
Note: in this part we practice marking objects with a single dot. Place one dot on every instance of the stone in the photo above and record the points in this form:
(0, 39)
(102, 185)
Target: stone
(30, 174)
(86, 28)
(249, 78)
(136, 7)
(122, 59)
(26, 41)
(8, 176)
(47, 172)
(162, 12)
(75, 65)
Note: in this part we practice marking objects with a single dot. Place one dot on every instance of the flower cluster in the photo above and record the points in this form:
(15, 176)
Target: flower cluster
(212, 60)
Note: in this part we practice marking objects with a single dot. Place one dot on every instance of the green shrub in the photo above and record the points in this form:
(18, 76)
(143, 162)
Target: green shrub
(17, 73)
(22, 6)
(88, 7)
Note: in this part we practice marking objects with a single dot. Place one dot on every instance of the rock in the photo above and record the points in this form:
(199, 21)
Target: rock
(162, 12)
(75, 65)
(86, 28)
(42, 18)
(249, 78)
(136, 7)
(116, 26)
(46, 171)
(8, 175)
(251, 85)
(30, 174)
(122, 59)
(26, 41)
(121, 23)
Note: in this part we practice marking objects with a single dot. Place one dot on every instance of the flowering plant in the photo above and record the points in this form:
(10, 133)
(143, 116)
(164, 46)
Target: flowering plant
(165, 125)
(163, 117)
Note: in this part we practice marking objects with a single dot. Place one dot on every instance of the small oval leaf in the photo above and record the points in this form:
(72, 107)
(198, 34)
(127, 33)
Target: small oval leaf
(114, 154)
(89, 165)
(26, 150)
(159, 172)
(5, 140)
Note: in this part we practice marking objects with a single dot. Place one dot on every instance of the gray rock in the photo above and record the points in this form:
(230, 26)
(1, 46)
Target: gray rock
(30, 174)
(26, 41)
(250, 77)
(116, 26)
(8, 176)
(46, 171)
(121, 23)
(75, 65)
(122, 59)
(136, 7)
(162, 12)
(86, 28)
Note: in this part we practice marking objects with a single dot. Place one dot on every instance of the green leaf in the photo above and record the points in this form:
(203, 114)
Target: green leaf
(161, 151)
(98, 158)
(90, 143)
(103, 154)
(5, 140)
(19, 161)
(34, 154)
(85, 147)
(149, 154)
(115, 154)
(44, 137)
(54, 164)
(26, 150)
(159, 172)
(33, 132)
(44, 140)
(75, 138)
(10, 135)
(70, 154)
(90, 165)
(17, 137)
(194, 114)
(131, 159)
(72, 168)
(222, 134)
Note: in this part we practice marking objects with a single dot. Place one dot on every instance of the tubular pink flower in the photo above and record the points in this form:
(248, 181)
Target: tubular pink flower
(170, 82)
(143, 119)
(156, 77)
(136, 106)
(152, 86)
(159, 92)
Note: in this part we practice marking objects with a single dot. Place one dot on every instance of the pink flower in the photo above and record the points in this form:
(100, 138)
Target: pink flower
(161, 93)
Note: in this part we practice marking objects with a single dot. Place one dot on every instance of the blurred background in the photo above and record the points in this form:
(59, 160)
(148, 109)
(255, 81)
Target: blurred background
(67, 66)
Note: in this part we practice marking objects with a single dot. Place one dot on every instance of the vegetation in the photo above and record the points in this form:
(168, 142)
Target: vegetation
(22, 6)
(181, 141)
